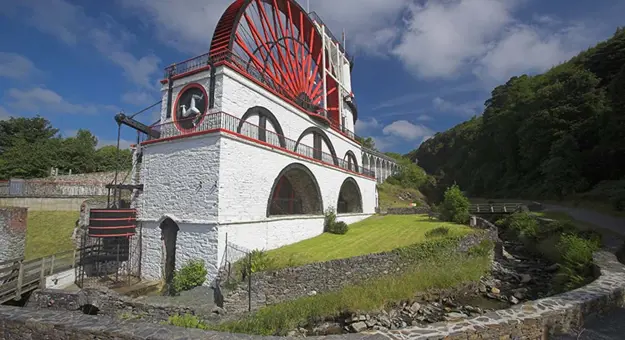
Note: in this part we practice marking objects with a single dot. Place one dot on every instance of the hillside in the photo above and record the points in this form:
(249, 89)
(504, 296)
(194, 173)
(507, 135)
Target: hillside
(547, 136)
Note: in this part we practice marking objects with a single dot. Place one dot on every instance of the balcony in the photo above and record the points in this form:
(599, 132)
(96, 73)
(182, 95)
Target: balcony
(221, 121)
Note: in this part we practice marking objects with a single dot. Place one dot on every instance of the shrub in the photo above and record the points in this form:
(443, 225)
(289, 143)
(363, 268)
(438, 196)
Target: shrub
(436, 232)
(260, 261)
(187, 321)
(482, 249)
(331, 225)
(522, 224)
(330, 219)
(576, 259)
(192, 274)
(339, 228)
(455, 206)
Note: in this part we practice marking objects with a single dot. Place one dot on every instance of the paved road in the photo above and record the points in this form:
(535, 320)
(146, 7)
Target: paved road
(611, 326)
(615, 225)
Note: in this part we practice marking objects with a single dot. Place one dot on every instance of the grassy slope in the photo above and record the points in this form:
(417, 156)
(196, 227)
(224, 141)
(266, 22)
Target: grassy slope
(443, 272)
(49, 232)
(373, 235)
(394, 196)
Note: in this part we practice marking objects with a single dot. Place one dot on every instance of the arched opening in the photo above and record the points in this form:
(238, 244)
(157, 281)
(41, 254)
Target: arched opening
(271, 133)
(169, 235)
(320, 142)
(295, 192)
(352, 163)
(350, 199)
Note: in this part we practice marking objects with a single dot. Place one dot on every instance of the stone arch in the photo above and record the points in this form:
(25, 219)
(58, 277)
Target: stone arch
(169, 236)
(319, 137)
(264, 115)
(352, 161)
(350, 198)
(295, 191)
(378, 169)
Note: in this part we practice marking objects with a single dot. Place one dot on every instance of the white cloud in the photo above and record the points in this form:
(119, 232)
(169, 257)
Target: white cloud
(448, 39)
(465, 109)
(15, 66)
(71, 25)
(366, 126)
(407, 130)
(369, 24)
(39, 99)
(530, 49)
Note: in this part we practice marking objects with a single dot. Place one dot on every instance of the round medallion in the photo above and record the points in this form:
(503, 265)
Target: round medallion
(190, 107)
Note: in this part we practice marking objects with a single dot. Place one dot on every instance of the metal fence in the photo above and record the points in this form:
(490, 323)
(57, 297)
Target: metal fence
(224, 121)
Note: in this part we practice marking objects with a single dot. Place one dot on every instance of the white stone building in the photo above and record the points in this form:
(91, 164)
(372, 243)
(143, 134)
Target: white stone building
(255, 143)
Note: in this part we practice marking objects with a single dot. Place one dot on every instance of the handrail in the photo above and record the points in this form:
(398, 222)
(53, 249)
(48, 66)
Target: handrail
(222, 120)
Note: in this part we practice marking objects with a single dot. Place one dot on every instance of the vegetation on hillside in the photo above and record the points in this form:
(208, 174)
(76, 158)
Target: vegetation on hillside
(547, 136)
(29, 147)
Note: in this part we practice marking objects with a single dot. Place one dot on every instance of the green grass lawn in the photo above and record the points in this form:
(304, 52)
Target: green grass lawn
(374, 235)
(49, 232)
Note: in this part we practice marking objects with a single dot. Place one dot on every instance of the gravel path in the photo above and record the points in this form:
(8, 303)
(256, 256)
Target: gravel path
(611, 326)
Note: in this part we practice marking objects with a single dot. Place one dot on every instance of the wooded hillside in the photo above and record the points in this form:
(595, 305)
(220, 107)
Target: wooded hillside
(543, 136)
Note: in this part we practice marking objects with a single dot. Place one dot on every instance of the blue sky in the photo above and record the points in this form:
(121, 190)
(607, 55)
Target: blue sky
(422, 66)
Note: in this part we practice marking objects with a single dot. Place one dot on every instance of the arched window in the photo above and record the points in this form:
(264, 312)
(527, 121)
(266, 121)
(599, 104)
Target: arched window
(350, 158)
(350, 199)
(262, 131)
(319, 140)
(295, 192)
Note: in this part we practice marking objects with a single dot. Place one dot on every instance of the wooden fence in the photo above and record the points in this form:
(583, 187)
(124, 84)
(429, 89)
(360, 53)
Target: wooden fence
(19, 276)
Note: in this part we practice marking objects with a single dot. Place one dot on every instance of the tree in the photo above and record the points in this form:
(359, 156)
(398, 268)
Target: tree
(78, 153)
(368, 142)
(107, 158)
(455, 207)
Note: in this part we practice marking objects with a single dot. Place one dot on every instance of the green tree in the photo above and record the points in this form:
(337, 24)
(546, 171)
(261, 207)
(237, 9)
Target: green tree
(368, 142)
(107, 158)
(455, 207)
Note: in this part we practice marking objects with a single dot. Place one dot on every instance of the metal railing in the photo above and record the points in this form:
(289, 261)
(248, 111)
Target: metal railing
(222, 120)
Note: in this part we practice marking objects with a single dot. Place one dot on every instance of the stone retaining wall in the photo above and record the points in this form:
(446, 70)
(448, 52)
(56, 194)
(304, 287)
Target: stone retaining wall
(532, 320)
(12, 232)
(296, 282)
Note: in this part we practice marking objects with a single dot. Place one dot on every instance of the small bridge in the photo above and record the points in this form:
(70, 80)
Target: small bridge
(495, 208)
(18, 277)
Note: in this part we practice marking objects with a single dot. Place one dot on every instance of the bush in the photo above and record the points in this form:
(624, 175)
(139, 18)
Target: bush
(339, 228)
(576, 261)
(192, 274)
(522, 224)
(332, 226)
(455, 206)
(436, 232)
(260, 261)
(482, 249)
(186, 320)
(330, 219)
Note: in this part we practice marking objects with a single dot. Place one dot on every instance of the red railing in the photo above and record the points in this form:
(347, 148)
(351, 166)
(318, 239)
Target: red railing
(203, 62)
(224, 121)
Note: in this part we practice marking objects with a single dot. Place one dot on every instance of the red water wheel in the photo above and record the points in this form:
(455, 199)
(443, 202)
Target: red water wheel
(276, 42)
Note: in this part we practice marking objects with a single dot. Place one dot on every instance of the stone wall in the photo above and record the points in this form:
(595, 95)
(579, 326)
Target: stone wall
(12, 232)
(80, 185)
(292, 283)
(534, 320)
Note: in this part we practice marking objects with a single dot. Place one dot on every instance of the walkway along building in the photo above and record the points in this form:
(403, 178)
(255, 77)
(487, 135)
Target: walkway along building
(255, 142)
